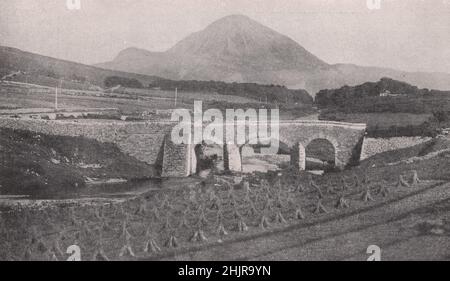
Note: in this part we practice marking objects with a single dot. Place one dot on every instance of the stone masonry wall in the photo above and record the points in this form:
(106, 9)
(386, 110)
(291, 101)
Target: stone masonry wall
(345, 137)
(176, 160)
(373, 146)
(142, 140)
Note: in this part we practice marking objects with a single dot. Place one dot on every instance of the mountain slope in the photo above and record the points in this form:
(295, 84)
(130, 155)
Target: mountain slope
(242, 42)
(14, 60)
(239, 49)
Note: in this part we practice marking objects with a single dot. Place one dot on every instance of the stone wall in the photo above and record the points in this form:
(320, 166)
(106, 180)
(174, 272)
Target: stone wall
(346, 138)
(149, 141)
(373, 146)
(177, 159)
(142, 140)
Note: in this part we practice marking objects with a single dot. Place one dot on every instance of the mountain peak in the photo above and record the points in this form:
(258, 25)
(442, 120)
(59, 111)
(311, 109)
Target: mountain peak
(234, 18)
(239, 24)
(238, 39)
(237, 48)
(236, 21)
(234, 48)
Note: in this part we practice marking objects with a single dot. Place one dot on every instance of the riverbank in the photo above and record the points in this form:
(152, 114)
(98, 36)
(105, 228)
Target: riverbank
(35, 164)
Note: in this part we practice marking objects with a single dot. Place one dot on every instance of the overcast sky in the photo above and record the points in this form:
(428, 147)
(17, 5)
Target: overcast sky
(412, 35)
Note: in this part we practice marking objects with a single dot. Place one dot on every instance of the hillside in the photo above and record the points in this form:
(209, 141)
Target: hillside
(239, 49)
(390, 108)
(20, 66)
(386, 95)
(47, 71)
(36, 164)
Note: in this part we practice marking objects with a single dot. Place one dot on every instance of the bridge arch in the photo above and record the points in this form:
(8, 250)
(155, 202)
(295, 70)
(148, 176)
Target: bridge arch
(345, 140)
(206, 157)
(327, 150)
(323, 150)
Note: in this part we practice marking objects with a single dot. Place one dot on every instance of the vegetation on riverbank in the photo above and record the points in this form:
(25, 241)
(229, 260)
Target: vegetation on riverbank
(383, 106)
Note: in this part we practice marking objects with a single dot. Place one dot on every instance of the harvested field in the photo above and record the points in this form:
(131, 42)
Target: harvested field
(178, 221)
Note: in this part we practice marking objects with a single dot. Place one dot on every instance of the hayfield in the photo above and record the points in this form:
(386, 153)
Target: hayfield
(166, 222)
(202, 214)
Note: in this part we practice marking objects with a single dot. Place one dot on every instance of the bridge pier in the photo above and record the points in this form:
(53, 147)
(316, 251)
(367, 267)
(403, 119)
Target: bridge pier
(177, 159)
(298, 157)
(232, 158)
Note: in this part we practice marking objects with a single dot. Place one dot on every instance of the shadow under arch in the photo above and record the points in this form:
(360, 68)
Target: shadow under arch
(208, 157)
(320, 154)
(260, 157)
(263, 147)
(322, 150)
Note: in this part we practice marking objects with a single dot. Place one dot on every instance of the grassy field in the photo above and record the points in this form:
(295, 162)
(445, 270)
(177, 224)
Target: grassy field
(386, 124)
(130, 101)
(384, 120)
(204, 96)
(30, 96)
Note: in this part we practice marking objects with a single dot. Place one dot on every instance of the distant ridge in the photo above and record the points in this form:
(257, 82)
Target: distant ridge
(13, 60)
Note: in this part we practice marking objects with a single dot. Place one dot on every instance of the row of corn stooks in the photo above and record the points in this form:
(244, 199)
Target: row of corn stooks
(159, 224)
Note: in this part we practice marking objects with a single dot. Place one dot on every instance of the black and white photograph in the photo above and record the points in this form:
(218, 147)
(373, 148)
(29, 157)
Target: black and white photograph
(224, 131)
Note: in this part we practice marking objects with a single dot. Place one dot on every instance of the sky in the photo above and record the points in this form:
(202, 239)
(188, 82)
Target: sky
(411, 35)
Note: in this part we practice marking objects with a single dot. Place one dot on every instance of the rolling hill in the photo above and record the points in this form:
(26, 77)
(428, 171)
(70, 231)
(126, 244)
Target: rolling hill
(47, 71)
(20, 66)
(239, 49)
(386, 95)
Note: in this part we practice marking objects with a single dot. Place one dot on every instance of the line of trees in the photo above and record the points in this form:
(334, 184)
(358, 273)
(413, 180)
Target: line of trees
(269, 93)
(113, 81)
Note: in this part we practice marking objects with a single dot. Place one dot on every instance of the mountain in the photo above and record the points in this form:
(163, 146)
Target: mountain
(232, 49)
(239, 49)
(47, 71)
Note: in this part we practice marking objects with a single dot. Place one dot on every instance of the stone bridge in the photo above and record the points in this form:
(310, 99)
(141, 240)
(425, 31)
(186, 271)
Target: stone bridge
(150, 141)
(346, 138)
